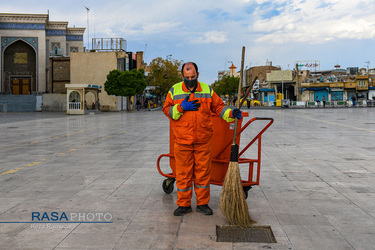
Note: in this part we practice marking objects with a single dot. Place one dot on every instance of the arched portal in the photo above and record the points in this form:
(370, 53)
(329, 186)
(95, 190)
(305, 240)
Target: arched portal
(74, 96)
(19, 69)
(91, 100)
(74, 102)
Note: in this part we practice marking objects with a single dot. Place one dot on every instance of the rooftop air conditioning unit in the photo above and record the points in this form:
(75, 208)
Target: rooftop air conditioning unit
(59, 52)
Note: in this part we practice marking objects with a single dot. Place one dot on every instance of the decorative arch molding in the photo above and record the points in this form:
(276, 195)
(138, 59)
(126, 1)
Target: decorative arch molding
(32, 41)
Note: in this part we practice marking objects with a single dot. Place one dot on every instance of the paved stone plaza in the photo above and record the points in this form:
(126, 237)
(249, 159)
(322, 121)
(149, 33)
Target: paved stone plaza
(317, 184)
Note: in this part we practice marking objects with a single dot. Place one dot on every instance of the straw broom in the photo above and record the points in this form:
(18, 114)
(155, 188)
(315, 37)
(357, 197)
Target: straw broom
(232, 198)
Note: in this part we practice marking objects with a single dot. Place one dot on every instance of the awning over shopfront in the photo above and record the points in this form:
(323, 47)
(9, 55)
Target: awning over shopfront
(315, 89)
(150, 96)
(266, 90)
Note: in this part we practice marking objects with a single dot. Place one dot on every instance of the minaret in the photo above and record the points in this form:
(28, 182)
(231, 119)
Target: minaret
(232, 70)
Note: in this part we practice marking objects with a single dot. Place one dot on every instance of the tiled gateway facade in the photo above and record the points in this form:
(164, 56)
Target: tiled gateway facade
(27, 41)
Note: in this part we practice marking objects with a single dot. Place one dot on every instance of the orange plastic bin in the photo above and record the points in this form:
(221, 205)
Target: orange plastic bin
(220, 154)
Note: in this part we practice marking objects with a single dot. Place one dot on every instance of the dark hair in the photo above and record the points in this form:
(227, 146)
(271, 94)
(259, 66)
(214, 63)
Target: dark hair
(183, 66)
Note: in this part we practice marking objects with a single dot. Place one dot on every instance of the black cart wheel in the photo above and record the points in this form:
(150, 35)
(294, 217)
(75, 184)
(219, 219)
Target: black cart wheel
(246, 190)
(168, 185)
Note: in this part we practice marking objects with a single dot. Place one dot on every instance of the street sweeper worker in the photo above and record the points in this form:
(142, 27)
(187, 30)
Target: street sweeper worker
(190, 105)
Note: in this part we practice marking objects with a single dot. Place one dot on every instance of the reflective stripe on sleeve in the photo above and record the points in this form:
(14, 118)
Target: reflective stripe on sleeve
(174, 113)
(172, 91)
(171, 112)
(223, 111)
(224, 114)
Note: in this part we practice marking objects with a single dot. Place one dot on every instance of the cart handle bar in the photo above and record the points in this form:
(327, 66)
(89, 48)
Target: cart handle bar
(158, 165)
(255, 138)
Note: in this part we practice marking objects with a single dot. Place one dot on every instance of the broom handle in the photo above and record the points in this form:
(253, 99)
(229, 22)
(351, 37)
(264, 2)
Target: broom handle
(239, 95)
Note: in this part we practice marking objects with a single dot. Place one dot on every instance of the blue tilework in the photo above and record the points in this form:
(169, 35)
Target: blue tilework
(22, 26)
(55, 32)
(74, 38)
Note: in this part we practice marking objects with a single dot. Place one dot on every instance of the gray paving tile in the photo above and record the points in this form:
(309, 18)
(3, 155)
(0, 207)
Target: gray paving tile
(316, 187)
(136, 240)
(90, 240)
(319, 243)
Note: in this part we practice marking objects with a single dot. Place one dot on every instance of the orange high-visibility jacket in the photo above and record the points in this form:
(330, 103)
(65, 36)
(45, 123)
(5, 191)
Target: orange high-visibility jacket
(194, 126)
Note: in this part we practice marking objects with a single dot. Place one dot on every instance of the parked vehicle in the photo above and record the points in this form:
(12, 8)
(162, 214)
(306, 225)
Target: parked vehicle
(252, 102)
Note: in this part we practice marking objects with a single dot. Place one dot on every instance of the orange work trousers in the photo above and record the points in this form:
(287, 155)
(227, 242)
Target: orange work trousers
(193, 164)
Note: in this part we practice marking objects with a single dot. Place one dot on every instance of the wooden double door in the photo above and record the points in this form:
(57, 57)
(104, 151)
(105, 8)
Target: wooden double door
(21, 86)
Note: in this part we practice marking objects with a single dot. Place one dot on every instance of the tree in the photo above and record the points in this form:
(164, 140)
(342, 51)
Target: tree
(228, 85)
(127, 83)
(164, 73)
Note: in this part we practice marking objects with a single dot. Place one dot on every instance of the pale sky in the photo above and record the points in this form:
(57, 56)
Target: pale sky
(212, 32)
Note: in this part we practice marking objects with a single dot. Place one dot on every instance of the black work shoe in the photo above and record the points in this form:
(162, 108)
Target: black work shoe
(181, 211)
(205, 209)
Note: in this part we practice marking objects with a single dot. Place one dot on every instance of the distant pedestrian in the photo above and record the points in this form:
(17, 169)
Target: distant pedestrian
(317, 101)
(353, 100)
(138, 104)
(324, 101)
(147, 105)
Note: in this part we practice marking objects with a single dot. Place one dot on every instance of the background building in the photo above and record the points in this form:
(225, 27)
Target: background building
(92, 68)
(27, 41)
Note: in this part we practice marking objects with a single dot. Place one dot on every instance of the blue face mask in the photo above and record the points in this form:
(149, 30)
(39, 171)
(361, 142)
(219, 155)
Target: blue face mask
(191, 83)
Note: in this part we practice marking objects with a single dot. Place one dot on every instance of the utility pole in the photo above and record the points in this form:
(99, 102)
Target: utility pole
(297, 84)
(282, 83)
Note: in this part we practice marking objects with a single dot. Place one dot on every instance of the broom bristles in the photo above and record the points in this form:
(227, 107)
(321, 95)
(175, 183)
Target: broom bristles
(232, 198)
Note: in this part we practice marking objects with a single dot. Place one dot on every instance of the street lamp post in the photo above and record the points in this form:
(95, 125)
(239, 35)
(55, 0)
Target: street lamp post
(282, 82)
(298, 85)
(88, 28)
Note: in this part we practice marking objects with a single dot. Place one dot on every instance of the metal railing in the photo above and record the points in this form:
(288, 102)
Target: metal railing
(74, 105)
(330, 104)
(109, 44)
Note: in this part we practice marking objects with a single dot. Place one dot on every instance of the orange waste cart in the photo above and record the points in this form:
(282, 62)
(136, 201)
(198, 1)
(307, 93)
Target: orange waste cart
(220, 154)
